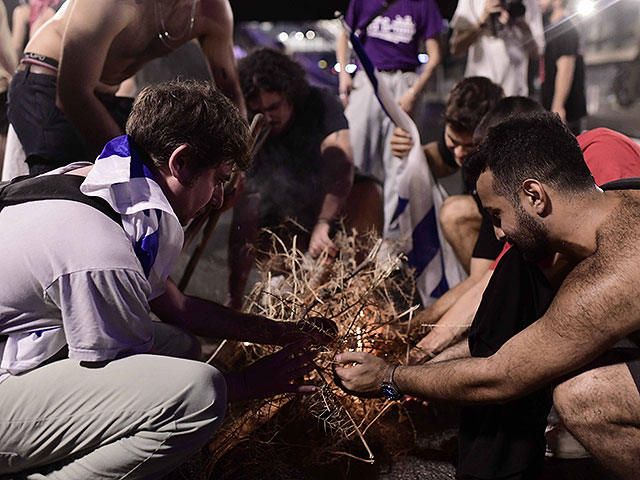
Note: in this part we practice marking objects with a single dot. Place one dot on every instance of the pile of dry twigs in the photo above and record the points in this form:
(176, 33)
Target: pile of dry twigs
(368, 293)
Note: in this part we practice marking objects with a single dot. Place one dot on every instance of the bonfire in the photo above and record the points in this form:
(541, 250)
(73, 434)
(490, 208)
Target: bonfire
(368, 292)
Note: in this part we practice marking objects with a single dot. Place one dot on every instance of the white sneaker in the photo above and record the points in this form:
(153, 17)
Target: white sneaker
(561, 444)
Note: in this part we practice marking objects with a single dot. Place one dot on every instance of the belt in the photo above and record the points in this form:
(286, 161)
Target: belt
(33, 68)
(403, 70)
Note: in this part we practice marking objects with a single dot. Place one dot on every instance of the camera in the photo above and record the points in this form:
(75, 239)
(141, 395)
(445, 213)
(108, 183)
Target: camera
(515, 8)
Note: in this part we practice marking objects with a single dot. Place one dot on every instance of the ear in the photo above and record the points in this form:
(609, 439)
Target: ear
(180, 165)
(535, 197)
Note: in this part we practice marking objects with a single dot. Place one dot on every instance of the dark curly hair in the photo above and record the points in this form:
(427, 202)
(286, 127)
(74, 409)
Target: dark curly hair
(534, 145)
(193, 113)
(468, 102)
(502, 110)
(272, 71)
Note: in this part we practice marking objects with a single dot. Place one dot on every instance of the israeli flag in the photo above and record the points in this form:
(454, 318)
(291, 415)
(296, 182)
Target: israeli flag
(420, 198)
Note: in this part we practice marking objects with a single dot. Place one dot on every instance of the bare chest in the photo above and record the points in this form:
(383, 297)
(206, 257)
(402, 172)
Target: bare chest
(154, 33)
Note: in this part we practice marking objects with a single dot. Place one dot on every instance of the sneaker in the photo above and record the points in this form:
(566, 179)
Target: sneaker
(561, 444)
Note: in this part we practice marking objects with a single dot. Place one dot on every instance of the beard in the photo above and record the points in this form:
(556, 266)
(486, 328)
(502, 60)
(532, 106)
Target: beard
(531, 237)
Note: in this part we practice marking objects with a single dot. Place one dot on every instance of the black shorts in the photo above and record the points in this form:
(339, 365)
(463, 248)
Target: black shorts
(48, 138)
(4, 121)
(628, 351)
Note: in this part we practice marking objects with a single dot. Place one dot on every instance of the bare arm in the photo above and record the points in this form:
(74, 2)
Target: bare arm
(86, 42)
(7, 58)
(20, 22)
(455, 320)
(209, 319)
(454, 352)
(408, 99)
(342, 55)
(596, 306)
(217, 46)
(564, 78)
(401, 144)
(464, 37)
(436, 163)
(337, 180)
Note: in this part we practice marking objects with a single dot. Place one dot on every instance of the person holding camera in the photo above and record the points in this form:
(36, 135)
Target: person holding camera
(500, 37)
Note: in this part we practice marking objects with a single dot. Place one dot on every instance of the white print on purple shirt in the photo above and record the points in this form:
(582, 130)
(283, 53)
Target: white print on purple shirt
(399, 30)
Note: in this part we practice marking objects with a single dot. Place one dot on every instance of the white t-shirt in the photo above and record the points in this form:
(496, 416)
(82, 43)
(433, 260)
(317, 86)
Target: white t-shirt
(83, 277)
(502, 58)
(71, 275)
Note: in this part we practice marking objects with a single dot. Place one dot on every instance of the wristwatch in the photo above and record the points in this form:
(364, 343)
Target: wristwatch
(388, 388)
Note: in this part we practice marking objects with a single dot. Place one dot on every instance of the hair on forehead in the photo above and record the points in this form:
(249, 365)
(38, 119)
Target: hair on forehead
(192, 113)
(537, 146)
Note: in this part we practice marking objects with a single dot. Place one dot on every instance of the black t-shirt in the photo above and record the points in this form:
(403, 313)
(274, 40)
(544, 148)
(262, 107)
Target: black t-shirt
(487, 246)
(445, 153)
(287, 171)
(499, 441)
(562, 39)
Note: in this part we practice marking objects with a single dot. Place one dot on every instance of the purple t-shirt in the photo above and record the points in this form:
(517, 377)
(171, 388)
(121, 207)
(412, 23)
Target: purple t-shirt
(392, 38)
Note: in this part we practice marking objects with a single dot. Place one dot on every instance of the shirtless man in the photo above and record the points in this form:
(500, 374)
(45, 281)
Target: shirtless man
(532, 179)
(80, 57)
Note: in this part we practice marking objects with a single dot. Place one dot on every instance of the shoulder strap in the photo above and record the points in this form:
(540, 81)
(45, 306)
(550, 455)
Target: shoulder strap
(362, 32)
(631, 183)
(52, 187)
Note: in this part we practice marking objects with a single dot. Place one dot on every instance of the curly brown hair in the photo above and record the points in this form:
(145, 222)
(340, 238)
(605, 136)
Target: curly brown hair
(269, 70)
(468, 102)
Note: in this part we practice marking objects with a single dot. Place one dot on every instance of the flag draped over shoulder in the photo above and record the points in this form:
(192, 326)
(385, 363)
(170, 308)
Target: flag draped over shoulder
(420, 198)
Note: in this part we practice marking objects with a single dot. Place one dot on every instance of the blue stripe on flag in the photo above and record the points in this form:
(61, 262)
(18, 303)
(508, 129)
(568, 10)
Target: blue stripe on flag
(426, 243)
(119, 146)
(367, 64)
(138, 168)
(443, 286)
(402, 205)
(146, 250)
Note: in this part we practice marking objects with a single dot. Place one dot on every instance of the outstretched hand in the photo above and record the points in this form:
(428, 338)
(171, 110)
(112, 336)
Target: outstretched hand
(318, 330)
(321, 241)
(273, 374)
(364, 376)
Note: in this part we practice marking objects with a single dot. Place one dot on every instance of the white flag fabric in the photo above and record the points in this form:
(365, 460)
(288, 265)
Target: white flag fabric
(420, 198)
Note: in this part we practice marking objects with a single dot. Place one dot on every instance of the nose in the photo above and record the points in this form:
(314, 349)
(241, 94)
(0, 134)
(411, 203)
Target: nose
(461, 152)
(217, 197)
(500, 235)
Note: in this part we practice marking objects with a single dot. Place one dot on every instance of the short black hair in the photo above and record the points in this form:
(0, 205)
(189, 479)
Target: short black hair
(270, 70)
(502, 110)
(469, 100)
(192, 113)
(535, 146)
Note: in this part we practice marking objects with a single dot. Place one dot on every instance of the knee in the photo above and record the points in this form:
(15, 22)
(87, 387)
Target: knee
(575, 402)
(189, 346)
(459, 211)
(205, 398)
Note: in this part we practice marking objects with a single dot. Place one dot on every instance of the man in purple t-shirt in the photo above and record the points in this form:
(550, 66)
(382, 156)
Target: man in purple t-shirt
(391, 38)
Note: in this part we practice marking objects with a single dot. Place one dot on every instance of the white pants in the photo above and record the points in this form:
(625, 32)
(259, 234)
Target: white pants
(14, 163)
(134, 418)
(370, 130)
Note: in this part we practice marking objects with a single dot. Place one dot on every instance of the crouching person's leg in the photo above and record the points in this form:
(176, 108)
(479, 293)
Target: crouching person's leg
(137, 418)
(174, 341)
(601, 408)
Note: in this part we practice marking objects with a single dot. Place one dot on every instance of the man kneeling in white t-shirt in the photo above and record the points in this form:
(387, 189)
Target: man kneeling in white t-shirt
(87, 386)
